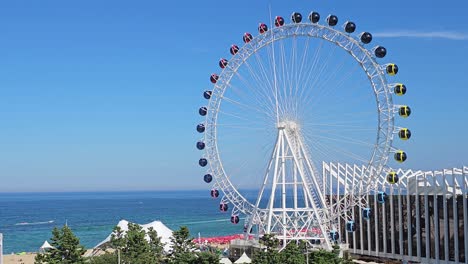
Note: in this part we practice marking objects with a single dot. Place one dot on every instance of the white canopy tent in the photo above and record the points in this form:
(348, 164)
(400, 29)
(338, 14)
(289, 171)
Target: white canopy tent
(163, 232)
(225, 261)
(243, 259)
(45, 246)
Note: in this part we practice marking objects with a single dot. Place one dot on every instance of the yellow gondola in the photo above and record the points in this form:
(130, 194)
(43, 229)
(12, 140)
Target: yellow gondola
(400, 156)
(392, 69)
(400, 89)
(404, 134)
(404, 111)
(392, 177)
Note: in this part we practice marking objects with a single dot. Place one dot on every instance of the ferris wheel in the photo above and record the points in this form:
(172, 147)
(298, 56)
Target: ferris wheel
(288, 99)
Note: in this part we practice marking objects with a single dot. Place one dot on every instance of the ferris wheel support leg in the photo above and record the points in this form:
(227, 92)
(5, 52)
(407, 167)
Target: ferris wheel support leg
(256, 216)
(283, 194)
(275, 178)
(310, 197)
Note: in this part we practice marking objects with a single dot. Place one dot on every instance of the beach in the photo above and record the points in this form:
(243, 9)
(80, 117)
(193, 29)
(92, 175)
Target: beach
(27, 258)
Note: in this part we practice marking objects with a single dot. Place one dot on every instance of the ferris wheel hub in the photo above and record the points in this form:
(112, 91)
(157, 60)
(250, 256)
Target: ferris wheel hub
(288, 125)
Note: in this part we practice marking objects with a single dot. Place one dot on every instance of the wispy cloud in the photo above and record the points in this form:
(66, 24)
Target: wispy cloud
(418, 34)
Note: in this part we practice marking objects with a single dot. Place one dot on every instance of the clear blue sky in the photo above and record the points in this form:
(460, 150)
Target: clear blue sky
(103, 95)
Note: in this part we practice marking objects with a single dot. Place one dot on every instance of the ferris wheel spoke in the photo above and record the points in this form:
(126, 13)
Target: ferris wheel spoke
(342, 151)
(315, 100)
(258, 102)
(336, 124)
(248, 107)
(315, 75)
(344, 139)
(331, 114)
(311, 71)
(300, 72)
(344, 130)
(237, 116)
(324, 87)
(265, 91)
(242, 126)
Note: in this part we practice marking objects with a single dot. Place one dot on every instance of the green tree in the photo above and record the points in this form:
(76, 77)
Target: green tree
(108, 258)
(66, 248)
(182, 247)
(270, 253)
(324, 257)
(292, 254)
(206, 258)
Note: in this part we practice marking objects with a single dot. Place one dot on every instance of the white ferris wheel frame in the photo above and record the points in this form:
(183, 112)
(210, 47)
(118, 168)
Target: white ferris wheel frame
(367, 61)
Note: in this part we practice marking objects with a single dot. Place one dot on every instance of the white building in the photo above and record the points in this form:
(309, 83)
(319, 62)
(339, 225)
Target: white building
(424, 219)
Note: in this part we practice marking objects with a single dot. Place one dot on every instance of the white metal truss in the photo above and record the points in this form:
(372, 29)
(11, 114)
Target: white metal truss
(289, 173)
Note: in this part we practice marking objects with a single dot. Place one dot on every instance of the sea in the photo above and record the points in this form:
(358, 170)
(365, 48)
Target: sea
(27, 219)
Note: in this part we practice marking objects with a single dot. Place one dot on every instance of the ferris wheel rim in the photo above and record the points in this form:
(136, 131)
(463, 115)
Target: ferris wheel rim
(367, 62)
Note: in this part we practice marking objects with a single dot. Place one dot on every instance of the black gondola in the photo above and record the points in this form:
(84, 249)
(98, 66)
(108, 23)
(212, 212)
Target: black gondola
(380, 51)
(279, 21)
(200, 145)
(207, 94)
(201, 128)
(350, 27)
(202, 111)
(314, 17)
(234, 49)
(207, 178)
(366, 37)
(332, 20)
(296, 17)
(262, 28)
(203, 162)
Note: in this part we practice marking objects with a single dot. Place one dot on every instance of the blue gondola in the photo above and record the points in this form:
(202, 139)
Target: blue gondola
(381, 197)
(203, 162)
(350, 226)
(200, 145)
(367, 213)
(201, 128)
(202, 111)
(334, 235)
(207, 178)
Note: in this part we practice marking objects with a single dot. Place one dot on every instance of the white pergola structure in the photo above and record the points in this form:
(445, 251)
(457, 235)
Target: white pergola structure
(424, 219)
